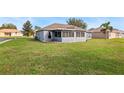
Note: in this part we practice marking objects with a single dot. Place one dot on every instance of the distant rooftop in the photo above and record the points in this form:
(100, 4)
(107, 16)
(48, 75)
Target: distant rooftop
(9, 30)
(99, 29)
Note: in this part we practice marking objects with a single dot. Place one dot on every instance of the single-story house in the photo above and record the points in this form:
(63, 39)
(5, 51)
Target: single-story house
(62, 33)
(10, 32)
(97, 33)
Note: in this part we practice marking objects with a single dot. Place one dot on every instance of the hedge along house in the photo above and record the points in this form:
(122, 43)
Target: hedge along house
(61, 33)
(10, 32)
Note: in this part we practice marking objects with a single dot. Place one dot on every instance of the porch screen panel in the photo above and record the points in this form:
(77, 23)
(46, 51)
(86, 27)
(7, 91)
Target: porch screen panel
(57, 34)
(79, 34)
(82, 34)
(68, 34)
(71, 34)
(65, 34)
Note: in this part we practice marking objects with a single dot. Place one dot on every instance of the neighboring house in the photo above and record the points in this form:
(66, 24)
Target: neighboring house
(122, 34)
(97, 33)
(89, 35)
(62, 33)
(10, 32)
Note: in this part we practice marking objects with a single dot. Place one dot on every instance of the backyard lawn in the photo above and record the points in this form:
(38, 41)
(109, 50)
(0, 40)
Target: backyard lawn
(97, 56)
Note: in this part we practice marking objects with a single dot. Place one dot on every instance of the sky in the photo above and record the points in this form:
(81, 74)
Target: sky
(93, 22)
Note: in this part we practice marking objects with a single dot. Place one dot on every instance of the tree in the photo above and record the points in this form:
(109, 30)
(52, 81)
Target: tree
(106, 28)
(37, 28)
(8, 26)
(77, 22)
(27, 28)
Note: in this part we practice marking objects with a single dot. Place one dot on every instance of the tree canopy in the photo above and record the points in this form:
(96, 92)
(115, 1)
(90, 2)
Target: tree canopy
(106, 27)
(8, 26)
(27, 28)
(37, 28)
(77, 22)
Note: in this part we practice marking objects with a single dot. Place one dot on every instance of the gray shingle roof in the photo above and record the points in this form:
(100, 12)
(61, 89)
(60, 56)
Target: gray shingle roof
(58, 26)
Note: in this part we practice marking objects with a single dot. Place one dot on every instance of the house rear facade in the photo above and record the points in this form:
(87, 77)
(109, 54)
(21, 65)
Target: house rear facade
(62, 33)
(10, 32)
(97, 33)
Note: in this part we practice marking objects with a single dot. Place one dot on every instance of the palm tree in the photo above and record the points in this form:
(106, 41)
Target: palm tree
(106, 28)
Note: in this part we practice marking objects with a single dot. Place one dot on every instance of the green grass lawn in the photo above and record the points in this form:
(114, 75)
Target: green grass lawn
(97, 56)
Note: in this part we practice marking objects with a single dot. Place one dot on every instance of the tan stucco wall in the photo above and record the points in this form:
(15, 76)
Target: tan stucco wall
(112, 35)
(16, 34)
(1, 34)
(115, 35)
(102, 35)
(122, 35)
(12, 34)
(98, 35)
